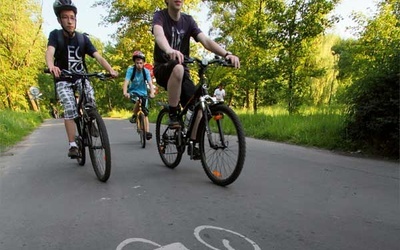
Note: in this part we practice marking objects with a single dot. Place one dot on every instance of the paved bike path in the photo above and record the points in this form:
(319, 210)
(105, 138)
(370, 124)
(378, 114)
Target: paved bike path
(288, 197)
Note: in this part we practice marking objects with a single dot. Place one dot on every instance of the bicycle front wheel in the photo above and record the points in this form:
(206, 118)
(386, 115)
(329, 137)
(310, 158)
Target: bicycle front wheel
(223, 147)
(81, 149)
(141, 130)
(170, 152)
(99, 147)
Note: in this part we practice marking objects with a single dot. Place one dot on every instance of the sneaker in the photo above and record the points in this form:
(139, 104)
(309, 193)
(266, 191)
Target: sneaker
(148, 135)
(73, 152)
(133, 119)
(196, 153)
(173, 121)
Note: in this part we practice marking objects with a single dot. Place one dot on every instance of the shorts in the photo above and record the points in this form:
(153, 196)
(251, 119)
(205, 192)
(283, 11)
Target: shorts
(145, 102)
(66, 94)
(163, 71)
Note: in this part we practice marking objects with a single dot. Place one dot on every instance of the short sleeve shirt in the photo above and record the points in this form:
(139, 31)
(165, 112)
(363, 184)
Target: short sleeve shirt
(71, 57)
(138, 84)
(178, 33)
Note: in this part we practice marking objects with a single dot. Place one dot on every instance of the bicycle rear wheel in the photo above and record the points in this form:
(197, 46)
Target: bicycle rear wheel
(224, 150)
(170, 153)
(141, 130)
(99, 146)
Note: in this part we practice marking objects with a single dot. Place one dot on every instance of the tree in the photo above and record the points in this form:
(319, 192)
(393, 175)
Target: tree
(297, 24)
(373, 98)
(21, 51)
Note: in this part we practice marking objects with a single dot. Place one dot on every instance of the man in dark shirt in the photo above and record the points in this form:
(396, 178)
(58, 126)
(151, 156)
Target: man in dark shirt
(70, 57)
(172, 30)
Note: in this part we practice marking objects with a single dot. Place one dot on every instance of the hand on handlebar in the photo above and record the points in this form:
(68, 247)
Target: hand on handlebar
(234, 60)
(113, 73)
(175, 55)
(55, 71)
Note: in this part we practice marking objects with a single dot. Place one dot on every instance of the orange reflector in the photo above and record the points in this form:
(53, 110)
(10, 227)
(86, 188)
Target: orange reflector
(217, 173)
(218, 117)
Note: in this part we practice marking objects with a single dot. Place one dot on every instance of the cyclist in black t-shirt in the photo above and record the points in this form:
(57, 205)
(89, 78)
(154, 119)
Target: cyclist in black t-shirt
(70, 56)
(172, 30)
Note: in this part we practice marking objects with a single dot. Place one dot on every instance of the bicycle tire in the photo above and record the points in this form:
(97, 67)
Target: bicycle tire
(224, 163)
(141, 129)
(81, 159)
(166, 139)
(99, 147)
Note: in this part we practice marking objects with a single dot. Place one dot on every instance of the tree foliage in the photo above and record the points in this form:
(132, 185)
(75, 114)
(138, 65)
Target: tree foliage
(21, 51)
(374, 96)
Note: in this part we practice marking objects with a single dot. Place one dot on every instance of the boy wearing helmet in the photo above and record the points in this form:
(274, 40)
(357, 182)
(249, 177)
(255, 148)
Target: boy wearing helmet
(136, 80)
(70, 57)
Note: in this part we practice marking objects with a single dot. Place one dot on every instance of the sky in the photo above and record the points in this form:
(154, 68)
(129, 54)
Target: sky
(89, 19)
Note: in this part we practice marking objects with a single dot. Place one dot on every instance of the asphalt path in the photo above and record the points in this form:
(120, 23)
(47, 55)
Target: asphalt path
(287, 197)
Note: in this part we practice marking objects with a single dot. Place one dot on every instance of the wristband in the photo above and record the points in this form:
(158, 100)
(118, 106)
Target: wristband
(227, 54)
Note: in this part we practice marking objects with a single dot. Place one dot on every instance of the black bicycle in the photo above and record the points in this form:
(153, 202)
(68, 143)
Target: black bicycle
(92, 131)
(222, 143)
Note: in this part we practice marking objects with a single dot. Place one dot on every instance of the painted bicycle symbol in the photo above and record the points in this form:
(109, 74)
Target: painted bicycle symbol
(198, 233)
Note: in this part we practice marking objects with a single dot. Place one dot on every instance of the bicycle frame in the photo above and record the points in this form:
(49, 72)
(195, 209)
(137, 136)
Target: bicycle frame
(201, 101)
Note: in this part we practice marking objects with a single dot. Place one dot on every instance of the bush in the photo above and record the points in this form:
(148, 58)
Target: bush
(373, 123)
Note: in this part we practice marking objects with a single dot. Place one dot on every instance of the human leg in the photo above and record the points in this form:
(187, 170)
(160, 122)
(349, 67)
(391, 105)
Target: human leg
(67, 98)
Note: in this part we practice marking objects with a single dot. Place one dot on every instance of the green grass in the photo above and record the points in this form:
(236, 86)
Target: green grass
(315, 127)
(318, 127)
(14, 126)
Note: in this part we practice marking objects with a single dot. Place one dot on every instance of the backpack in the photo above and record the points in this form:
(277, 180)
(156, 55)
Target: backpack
(144, 75)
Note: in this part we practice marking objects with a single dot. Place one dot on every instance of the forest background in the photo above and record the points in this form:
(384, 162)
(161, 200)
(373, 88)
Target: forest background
(296, 80)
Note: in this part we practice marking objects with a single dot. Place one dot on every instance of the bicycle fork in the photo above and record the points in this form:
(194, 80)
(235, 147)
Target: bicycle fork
(206, 111)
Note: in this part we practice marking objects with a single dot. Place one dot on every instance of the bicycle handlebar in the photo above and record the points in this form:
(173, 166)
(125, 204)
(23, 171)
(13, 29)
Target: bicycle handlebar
(68, 73)
(205, 62)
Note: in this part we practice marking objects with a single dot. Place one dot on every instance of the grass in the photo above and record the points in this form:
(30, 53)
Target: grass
(322, 130)
(316, 127)
(14, 126)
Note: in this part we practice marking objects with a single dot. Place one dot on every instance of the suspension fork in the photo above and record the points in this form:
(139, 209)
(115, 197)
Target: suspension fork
(206, 110)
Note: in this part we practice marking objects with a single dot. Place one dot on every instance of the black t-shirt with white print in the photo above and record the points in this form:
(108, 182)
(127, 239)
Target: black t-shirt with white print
(178, 33)
(71, 57)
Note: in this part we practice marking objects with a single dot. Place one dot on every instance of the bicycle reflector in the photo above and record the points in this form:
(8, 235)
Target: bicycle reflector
(218, 117)
(216, 173)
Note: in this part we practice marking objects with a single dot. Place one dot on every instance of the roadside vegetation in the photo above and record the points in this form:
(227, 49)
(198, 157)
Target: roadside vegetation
(315, 127)
(14, 126)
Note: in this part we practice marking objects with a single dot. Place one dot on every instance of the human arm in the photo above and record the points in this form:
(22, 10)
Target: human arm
(150, 83)
(125, 89)
(214, 47)
(103, 62)
(50, 61)
(162, 42)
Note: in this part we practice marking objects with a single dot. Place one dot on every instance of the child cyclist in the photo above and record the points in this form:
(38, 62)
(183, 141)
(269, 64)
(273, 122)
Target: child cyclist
(137, 79)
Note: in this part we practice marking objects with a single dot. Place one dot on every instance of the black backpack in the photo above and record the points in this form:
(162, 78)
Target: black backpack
(144, 75)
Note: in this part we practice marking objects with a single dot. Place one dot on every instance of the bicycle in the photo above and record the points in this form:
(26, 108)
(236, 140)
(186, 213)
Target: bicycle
(92, 131)
(140, 117)
(220, 133)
